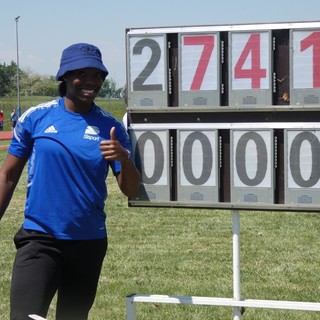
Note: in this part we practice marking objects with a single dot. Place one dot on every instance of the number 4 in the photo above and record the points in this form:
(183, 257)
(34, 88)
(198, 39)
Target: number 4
(255, 73)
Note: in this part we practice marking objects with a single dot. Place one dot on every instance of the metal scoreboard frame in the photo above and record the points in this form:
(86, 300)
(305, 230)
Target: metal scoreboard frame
(226, 116)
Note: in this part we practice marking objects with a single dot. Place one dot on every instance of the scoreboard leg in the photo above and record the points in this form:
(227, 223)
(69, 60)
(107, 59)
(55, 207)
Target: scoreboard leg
(236, 262)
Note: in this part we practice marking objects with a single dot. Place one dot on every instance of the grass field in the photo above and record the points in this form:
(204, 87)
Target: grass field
(178, 251)
(189, 252)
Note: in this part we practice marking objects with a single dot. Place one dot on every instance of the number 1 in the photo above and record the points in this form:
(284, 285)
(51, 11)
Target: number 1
(313, 41)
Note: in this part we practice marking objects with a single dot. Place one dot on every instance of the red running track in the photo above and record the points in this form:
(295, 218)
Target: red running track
(5, 135)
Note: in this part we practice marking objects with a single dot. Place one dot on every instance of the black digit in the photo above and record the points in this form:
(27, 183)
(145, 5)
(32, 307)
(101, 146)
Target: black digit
(158, 156)
(138, 83)
(295, 159)
(206, 162)
(262, 159)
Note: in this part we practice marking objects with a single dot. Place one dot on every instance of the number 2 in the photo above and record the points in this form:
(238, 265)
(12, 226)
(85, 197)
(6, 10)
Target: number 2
(139, 82)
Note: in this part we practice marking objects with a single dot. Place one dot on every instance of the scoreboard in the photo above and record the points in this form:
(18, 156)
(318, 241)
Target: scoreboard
(226, 116)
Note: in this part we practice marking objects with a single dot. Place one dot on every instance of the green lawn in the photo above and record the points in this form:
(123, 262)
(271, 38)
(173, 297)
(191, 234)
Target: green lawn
(189, 252)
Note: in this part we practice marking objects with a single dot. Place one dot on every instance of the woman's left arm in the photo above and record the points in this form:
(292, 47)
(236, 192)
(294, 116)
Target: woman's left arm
(129, 177)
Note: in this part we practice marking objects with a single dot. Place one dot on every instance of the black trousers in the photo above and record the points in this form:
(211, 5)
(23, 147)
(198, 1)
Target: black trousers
(45, 265)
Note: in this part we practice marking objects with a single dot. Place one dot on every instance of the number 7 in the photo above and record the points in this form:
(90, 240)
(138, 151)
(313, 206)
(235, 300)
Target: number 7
(208, 44)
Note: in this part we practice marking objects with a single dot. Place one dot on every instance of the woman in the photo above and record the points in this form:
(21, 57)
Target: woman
(70, 144)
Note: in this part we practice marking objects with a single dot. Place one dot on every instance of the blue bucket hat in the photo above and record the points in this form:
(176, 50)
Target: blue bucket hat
(79, 56)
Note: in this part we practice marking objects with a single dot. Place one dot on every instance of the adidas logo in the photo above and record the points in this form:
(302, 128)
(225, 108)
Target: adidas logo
(92, 130)
(51, 129)
(91, 133)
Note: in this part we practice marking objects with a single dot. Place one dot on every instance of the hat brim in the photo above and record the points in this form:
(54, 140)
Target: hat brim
(85, 63)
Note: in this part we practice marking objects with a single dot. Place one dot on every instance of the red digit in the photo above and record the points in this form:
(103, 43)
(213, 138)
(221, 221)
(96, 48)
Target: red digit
(255, 73)
(208, 45)
(313, 40)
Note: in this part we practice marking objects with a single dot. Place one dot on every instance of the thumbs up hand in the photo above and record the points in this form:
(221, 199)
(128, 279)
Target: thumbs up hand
(113, 133)
(112, 149)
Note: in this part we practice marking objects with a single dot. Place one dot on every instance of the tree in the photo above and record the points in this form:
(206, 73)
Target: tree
(108, 89)
(7, 78)
(33, 84)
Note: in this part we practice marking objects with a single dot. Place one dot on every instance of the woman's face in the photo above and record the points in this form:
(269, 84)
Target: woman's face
(83, 85)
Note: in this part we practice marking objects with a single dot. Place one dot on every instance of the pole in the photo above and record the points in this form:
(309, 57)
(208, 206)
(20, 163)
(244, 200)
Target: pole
(18, 79)
(236, 263)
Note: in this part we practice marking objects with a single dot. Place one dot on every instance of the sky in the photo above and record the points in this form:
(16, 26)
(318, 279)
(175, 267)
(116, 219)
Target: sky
(46, 27)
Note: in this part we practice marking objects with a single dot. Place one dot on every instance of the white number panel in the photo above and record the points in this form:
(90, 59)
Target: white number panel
(305, 59)
(199, 62)
(302, 166)
(197, 165)
(147, 71)
(250, 68)
(151, 152)
(252, 167)
(199, 69)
